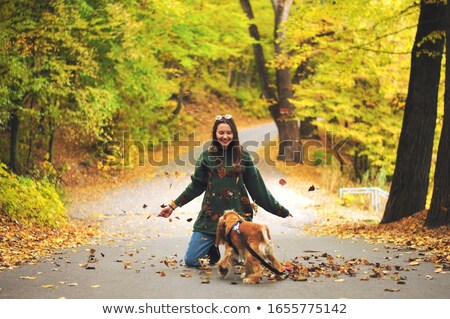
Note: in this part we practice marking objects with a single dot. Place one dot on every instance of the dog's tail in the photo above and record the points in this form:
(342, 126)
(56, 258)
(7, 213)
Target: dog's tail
(267, 247)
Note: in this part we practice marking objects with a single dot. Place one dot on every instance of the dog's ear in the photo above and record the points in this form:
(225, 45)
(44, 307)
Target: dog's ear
(220, 233)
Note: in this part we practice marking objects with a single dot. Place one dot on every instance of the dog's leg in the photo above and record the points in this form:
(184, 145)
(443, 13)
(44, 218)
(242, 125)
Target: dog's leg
(253, 270)
(225, 263)
(276, 264)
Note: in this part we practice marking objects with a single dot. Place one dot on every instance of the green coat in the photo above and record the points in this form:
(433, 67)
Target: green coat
(226, 187)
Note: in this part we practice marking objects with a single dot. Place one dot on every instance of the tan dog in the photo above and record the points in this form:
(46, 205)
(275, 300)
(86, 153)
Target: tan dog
(258, 238)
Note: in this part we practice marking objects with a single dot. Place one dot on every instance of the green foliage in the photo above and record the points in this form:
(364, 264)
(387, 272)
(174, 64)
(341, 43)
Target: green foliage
(94, 70)
(354, 65)
(26, 200)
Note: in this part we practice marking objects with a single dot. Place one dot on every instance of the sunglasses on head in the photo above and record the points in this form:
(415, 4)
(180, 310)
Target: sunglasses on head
(226, 117)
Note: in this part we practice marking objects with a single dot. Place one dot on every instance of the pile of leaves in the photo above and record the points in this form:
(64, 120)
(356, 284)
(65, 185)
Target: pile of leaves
(26, 243)
(408, 233)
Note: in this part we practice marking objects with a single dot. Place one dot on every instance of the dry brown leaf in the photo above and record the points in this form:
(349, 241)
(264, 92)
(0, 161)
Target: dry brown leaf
(364, 278)
(392, 289)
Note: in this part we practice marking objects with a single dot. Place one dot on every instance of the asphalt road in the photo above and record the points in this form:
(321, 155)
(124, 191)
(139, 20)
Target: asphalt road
(142, 257)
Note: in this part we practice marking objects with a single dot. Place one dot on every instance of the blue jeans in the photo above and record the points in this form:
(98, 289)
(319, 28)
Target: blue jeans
(198, 247)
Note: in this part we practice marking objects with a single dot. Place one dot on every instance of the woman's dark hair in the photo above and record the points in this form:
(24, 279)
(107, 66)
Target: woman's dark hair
(235, 146)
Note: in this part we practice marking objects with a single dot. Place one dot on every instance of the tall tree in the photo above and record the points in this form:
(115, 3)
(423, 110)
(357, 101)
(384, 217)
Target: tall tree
(260, 60)
(409, 187)
(281, 108)
(283, 111)
(438, 213)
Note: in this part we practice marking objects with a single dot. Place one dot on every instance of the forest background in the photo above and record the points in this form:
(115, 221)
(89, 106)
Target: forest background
(77, 74)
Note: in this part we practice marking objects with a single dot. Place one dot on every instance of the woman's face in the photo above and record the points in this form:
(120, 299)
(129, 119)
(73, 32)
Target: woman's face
(224, 134)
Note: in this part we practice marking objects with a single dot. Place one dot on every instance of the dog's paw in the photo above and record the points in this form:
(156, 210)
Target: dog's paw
(251, 281)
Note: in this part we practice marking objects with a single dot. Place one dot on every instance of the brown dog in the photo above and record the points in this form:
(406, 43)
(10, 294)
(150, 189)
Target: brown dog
(258, 238)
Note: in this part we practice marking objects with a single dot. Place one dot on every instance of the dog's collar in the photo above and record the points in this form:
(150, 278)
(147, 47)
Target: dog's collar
(235, 227)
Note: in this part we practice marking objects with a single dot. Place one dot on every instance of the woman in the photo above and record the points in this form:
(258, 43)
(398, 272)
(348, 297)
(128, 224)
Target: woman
(225, 172)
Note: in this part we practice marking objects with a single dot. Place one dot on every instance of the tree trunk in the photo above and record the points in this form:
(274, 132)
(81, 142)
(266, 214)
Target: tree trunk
(438, 213)
(258, 51)
(283, 112)
(51, 143)
(411, 176)
(180, 99)
(14, 124)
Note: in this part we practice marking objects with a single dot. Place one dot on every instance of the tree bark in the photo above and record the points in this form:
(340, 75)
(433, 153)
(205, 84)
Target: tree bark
(260, 60)
(411, 175)
(283, 111)
(14, 124)
(51, 144)
(438, 213)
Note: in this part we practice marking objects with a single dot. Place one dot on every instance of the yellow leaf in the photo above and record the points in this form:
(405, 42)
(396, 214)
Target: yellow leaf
(48, 286)
(95, 286)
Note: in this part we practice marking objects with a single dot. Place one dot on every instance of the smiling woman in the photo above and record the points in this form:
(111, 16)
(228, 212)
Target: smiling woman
(223, 132)
(227, 175)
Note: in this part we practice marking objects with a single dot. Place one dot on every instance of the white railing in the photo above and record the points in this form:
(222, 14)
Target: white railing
(375, 192)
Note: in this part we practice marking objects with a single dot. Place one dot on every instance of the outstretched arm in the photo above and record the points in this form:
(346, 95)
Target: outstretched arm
(258, 191)
(197, 186)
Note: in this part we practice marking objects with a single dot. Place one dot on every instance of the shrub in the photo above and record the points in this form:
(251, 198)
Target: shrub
(26, 200)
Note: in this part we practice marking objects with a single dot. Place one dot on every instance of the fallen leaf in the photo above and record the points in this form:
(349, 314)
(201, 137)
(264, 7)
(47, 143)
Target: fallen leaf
(186, 275)
(127, 265)
(365, 278)
(392, 289)
(48, 286)
(95, 286)
(72, 284)
(144, 206)
(282, 182)
(339, 280)
(28, 277)
(189, 220)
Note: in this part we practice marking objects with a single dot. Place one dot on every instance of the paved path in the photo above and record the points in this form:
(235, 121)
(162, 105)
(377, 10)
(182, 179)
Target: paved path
(143, 257)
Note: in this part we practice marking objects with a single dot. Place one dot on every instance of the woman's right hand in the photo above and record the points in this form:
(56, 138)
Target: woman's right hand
(165, 212)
